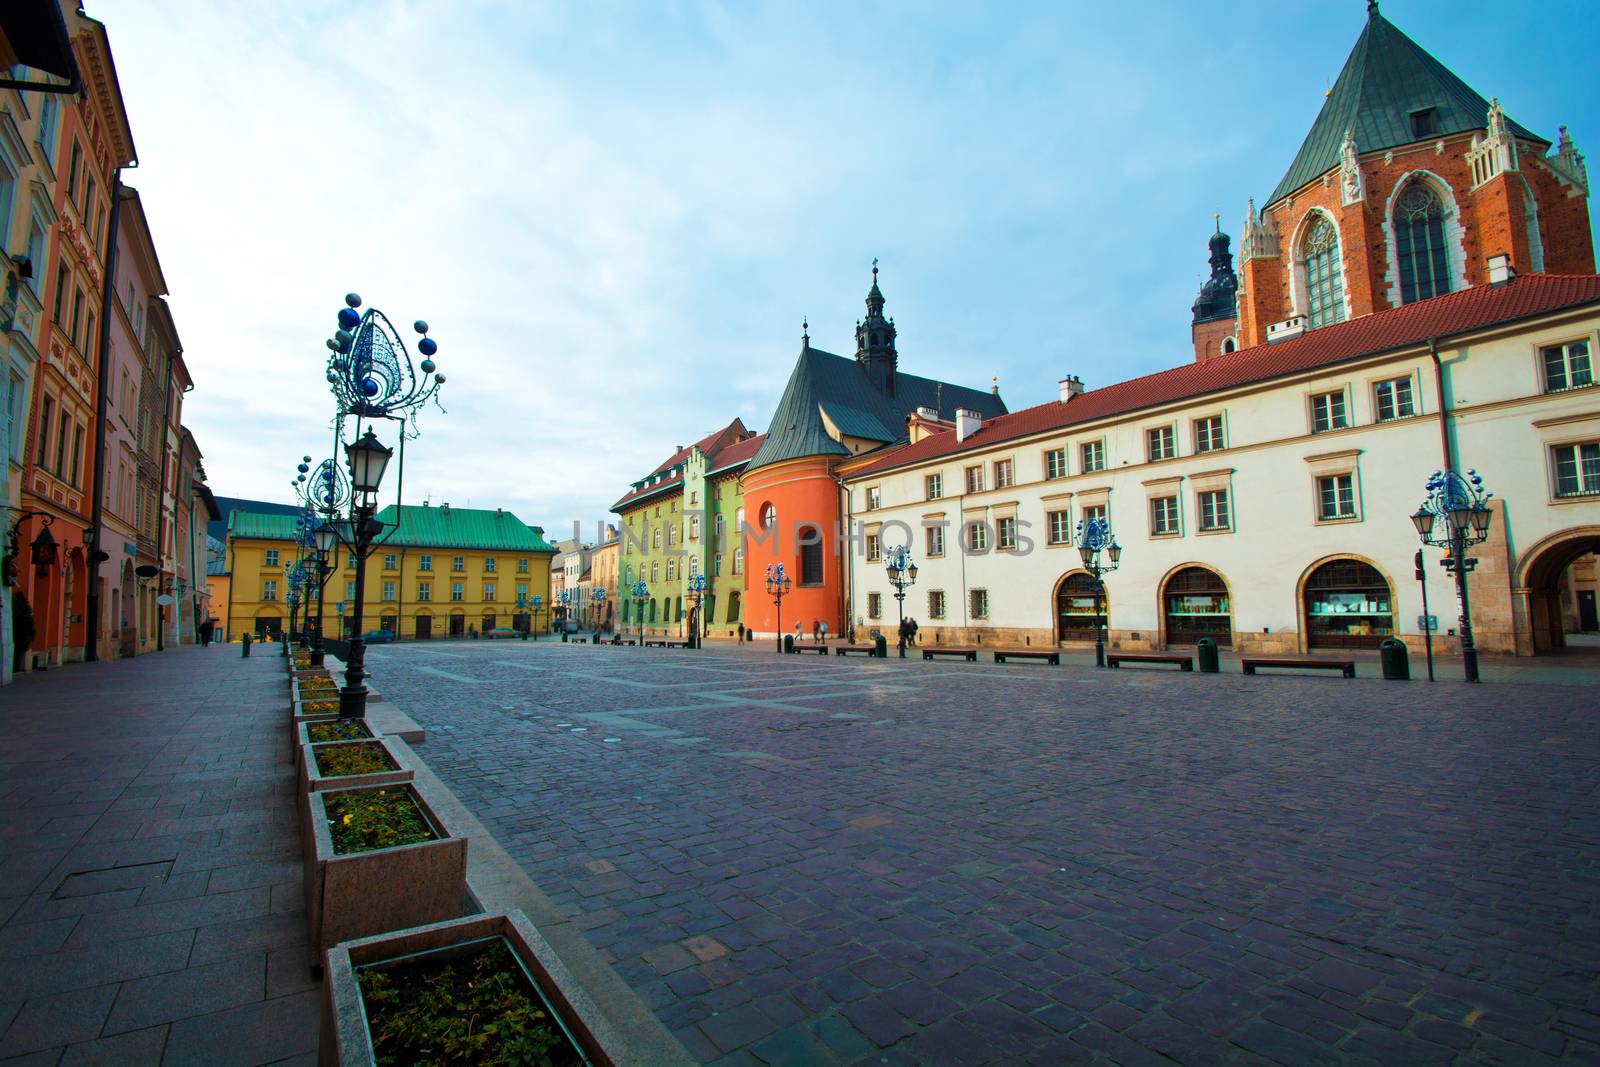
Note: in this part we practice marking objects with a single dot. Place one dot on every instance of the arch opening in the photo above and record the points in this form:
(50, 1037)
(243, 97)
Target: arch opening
(1077, 608)
(1347, 604)
(1196, 604)
(1560, 576)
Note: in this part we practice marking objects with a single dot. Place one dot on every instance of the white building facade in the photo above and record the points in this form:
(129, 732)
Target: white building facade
(1264, 497)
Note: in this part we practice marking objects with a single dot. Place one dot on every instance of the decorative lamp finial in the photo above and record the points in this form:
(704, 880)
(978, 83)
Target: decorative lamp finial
(805, 332)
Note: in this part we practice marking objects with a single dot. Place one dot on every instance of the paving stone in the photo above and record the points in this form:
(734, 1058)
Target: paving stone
(195, 990)
(265, 1032)
(58, 1019)
(135, 1047)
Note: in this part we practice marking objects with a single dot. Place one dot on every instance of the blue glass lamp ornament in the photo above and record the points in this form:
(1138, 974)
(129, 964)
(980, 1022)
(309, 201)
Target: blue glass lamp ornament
(369, 369)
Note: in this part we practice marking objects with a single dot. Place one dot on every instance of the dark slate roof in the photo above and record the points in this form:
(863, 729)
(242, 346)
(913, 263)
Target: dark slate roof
(1461, 312)
(1387, 76)
(724, 449)
(838, 385)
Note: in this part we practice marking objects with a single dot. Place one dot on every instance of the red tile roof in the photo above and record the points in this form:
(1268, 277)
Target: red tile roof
(1471, 309)
(722, 448)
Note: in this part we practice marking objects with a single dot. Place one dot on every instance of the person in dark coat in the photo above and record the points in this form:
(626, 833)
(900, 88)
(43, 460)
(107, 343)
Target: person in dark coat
(914, 628)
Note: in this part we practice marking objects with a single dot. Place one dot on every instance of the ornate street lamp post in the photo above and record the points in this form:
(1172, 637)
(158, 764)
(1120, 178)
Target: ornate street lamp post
(565, 611)
(697, 595)
(778, 586)
(538, 609)
(296, 582)
(368, 457)
(1455, 516)
(1101, 555)
(641, 593)
(902, 575)
(597, 602)
(327, 541)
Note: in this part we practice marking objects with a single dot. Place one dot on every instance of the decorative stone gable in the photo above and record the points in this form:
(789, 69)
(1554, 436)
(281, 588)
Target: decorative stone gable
(1568, 166)
(1495, 152)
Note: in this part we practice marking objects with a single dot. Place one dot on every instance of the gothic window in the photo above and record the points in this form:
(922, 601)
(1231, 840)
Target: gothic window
(769, 516)
(1319, 258)
(1419, 240)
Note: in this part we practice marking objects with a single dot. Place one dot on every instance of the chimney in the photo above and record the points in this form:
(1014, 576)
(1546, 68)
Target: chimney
(968, 422)
(444, 508)
(1500, 271)
(1071, 386)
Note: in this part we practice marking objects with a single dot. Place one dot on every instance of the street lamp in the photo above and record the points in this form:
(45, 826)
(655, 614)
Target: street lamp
(641, 593)
(697, 594)
(326, 539)
(538, 609)
(902, 575)
(1101, 555)
(778, 586)
(597, 600)
(367, 458)
(566, 611)
(1463, 505)
(296, 583)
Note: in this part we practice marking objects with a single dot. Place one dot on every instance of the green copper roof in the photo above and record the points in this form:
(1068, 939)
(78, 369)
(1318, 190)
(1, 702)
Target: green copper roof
(822, 381)
(1387, 78)
(260, 526)
(420, 527)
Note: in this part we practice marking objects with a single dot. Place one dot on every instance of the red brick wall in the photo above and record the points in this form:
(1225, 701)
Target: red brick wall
(1208, 337)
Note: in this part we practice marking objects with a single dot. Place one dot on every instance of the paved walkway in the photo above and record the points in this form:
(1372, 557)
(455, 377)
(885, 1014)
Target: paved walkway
(799, 860)
(150, 886)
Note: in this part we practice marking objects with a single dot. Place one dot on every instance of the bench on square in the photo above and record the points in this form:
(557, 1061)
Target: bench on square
(1049, 655)
(845, 650)
(1346, 667)
(665, 642)
(1183, 662)
(966, 653)
(630, 641)
(811, 646)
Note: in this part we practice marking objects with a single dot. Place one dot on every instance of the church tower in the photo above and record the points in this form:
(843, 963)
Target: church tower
(1408, 184)
(875, 341)
(1216, 308)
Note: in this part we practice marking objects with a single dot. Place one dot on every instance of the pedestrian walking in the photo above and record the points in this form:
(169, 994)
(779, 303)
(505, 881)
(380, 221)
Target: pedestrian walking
(205, 634)
(913, 634)
(816, 629)
(741, 633)
(905, 633)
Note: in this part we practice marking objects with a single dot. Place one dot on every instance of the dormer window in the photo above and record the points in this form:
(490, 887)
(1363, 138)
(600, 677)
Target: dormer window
(1424, 123)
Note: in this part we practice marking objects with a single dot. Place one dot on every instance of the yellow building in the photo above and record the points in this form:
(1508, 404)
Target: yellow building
(445, 572)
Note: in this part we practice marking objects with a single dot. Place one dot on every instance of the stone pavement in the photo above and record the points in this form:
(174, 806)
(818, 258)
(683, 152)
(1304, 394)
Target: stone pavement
(150, 881)
(798, 860)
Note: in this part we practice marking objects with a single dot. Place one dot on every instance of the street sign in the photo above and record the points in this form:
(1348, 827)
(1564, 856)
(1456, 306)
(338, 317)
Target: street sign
(1428, 624)
(165, 600)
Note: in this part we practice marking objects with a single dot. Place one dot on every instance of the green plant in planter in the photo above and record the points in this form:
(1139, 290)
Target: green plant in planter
(367, 819)
(475, 1009)
(338, 730)
(321, 707)
(337, 761)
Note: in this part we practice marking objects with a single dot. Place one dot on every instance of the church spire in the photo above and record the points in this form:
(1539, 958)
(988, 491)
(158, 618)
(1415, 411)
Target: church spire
(875, 349)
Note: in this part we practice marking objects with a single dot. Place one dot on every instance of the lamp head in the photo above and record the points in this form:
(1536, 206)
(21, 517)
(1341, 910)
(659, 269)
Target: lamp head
(1422, 519)
(367, 458)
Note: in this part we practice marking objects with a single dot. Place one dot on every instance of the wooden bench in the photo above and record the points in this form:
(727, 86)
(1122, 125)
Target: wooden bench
(1347, 667)
(845, 650)
(664, 642)
(1049, 655)
(811, 646)
(1184, 663)
(968, 654)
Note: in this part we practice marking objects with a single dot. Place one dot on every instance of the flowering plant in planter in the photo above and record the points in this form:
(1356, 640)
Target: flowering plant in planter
(338, 729)
(345, 764)
(485, 989)
(379, 859)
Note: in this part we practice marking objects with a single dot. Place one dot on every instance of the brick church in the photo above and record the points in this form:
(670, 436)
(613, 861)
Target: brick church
(1407, 185)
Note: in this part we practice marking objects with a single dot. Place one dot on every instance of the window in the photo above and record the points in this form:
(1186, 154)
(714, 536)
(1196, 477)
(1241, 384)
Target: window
(424, 591)
(522, 593)
(933, 486)
(936, 603)
(1319, 258)
(1005, 532)
(1214, 509)
(1060, 527)
(874, 497)
(1055, 464)
(349, 590)
(35, 255)
(1424, 123)
(655, 571)
(63, 280)
(1163, 516)
(1392, 399)
(874, 548)
(1328, 412)
(979, 603)
(425, 562)
(390, 561)
(389, 591)
(655, 537)
(488, 590)
(1577, 469)
(810, 556)
(47, 127)
(1092, 512)
(672, 570)
(272, 557)
(1208, 433)
(1004, 475)
(1160, 443)
(88, 337)
(716, 530)
(769, 516)
(458, 563)
(1336, 497)
(77, 316)
(73, 167)
(738, 561)
(672, 535)
(349, 561)
(488, 564)
(1419, 243)
(974, 479)
(977, 536)
(522, 565)
(874, 605)
(1567, 366)
(458, 591)
(716, 565)
(694, 527)
(46, 410)
(935, 537)
(77, 452)
(269, 589)
(1093, 456)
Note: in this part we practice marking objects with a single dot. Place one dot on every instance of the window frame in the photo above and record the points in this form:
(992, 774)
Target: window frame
(1166, 433)
(933, 486)
(1322, 516)
(1378, 385)
(1213, 441)
(1096, 448)
(936, 608)
(1051, 526)
(1576, 447)
(1165, 516)
(1542, 356)
(1343, 395)
(1005, 473)
(1055, 463)
(1225, 493)
(978, 605)
(972, 478)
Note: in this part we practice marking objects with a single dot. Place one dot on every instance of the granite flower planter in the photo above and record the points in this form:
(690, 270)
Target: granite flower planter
(360, 893)
(347, 1015)
(315, 775)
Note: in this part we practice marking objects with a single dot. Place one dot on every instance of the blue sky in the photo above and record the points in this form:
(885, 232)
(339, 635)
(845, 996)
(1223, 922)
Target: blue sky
(615, 216)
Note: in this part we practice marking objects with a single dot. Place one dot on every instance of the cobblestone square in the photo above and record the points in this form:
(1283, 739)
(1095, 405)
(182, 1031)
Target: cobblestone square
(797, 859)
